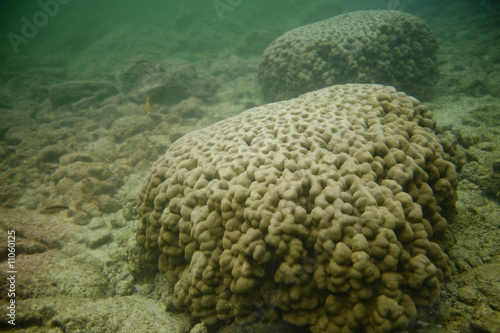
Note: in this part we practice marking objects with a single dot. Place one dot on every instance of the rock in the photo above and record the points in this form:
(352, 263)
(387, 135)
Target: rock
(73, 91)
(129, 211)
(124, 128)
(81, 170)
(468, 137)
(173, 87)
(278, 327)
(97, 223)
(467, 294)
(486, 320)
(199, 328)
(54, 273)
(108, 204)
(113, 314)
(493, 83)
(99, 238)
(3, 243)
(117, 223)
(6, 99)
(74, 157)
(134, 74)
(50, 154)
(120, 275)
(14, 121)
(496, 166)
(15, 135)
(52, 231)
(143, 79)
(233, 67)
(190, 108)
(488, 115)
(490, 184)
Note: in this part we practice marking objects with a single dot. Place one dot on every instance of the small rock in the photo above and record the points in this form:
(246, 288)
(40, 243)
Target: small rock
(99, 238)
(84, 103)
(190, 108)
(134, 74)
(29, 246)
(474, 260)
(15, 118)
(468, 294)
(63, 186)
(486, 146)
(261, 327)
(472, 155)
(461, 264)
(3, 243)
(117, 223)
(83, 170)
(496, 166)
(76, 157)
(126, 127)
(80, 217)
(129, 211)
(97, 223)
(124, 288)
(108, 204)
(488, 114)
(468, 137)
(6, 99)
(199, 328)
(15, 135)
(493, 83)
(73, 91)
(50, 154)
(166, 87)
(486, 320)
(490, 183)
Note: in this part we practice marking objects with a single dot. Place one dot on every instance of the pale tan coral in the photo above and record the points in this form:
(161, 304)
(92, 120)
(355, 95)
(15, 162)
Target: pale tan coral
(376, 46)
(329, 210)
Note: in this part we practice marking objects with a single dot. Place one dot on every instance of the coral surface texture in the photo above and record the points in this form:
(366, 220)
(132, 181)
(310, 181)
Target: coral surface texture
(330, 210)
(377, 46)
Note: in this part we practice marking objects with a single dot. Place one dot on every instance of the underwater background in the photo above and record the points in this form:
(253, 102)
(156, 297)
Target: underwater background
(76, 144)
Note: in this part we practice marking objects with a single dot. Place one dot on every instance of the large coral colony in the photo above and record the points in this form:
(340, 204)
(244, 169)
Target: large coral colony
(329, 210)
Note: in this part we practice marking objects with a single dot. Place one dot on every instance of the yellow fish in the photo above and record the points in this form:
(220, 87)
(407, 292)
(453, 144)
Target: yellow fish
(147, 106)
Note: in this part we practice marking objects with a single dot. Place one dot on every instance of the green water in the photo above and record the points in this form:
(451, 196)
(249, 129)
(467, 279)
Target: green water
(93, 38)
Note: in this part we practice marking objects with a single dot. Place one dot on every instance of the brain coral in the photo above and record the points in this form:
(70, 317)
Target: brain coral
(378, 46)
(329, 210)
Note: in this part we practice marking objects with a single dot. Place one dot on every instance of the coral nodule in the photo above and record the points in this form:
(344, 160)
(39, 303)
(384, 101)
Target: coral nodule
(329, 210)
